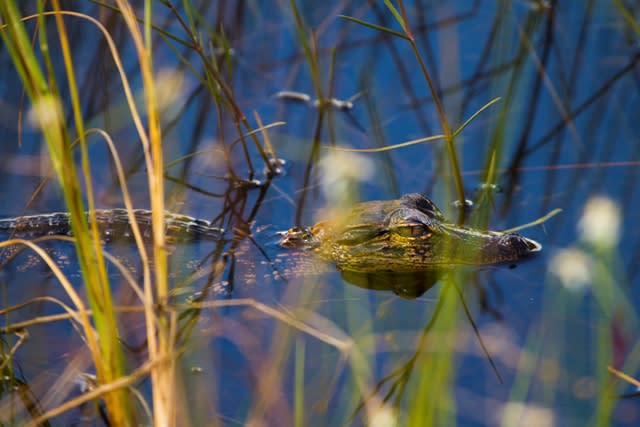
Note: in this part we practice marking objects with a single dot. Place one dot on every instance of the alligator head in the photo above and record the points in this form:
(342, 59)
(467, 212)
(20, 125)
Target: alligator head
(405, 235)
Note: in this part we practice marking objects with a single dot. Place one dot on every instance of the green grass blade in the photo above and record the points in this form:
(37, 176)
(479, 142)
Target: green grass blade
(396, 15)
(45, 98)
(538, 221)
(298, 407)
(389, 147)
(312, 60)
(627, 15)
(476, 114)
(375, 26)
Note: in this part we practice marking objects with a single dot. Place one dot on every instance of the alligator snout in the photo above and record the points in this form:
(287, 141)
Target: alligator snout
(509, 247)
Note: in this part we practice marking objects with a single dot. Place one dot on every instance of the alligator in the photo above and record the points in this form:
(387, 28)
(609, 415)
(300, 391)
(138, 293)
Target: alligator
(405, 235)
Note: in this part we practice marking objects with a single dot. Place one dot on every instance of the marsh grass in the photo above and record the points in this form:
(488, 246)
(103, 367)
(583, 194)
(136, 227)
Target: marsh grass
(45, 98)
(154, 292)
(347, 369)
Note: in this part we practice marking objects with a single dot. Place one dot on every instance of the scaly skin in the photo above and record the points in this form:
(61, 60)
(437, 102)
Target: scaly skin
(114, 225)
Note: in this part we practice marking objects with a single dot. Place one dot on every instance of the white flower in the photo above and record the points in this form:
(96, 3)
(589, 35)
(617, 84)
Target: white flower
(170, 87)
(572, 267)
(383, 418)
(381, 414)
(600, 222)
(340, 171)
(525, 415)
(46, 113)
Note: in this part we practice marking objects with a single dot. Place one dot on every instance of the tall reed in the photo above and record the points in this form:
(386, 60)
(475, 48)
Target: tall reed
(42, 89)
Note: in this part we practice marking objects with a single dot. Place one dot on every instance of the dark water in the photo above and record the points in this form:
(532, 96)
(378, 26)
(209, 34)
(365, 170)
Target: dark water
(565, 131)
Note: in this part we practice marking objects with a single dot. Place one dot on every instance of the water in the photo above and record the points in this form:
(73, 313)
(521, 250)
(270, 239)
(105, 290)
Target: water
(563, 132)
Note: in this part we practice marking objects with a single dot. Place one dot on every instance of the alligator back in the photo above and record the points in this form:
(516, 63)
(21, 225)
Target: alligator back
(114, 225)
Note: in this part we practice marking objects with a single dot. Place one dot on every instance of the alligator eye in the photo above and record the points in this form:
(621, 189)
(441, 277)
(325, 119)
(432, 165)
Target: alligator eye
(415, 231)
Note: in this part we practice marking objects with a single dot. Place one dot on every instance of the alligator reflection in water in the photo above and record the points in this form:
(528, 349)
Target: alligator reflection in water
(405, 285)
(398, 244)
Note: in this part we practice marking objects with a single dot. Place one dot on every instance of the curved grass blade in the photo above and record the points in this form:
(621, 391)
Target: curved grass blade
(389, 147)
(474, 115)
(534, 223)
(375, 26)
(396, 15)
(419, 140)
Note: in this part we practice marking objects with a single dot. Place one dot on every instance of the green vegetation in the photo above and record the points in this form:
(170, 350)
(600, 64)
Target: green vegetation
(178, 97)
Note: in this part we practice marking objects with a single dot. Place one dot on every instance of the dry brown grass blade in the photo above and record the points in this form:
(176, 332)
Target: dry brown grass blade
(64, 281)
(623, 376)
(98, 392)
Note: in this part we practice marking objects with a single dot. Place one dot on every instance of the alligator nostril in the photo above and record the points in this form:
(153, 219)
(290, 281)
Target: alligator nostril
(518, 244)
(523, 245)
(532, 245)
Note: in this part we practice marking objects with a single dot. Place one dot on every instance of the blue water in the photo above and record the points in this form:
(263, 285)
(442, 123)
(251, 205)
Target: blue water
(564, 131)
